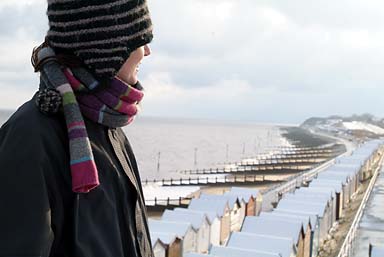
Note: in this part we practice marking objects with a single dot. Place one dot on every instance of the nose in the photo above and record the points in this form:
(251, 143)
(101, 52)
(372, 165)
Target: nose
(147, 50)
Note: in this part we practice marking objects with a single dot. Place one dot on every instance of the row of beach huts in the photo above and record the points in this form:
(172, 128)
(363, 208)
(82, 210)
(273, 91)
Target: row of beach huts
(240, 223)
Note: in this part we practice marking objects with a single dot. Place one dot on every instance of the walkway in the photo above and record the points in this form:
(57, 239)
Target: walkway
(371, 228)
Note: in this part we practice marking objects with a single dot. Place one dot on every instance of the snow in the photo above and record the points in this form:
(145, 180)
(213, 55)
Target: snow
(358, 125)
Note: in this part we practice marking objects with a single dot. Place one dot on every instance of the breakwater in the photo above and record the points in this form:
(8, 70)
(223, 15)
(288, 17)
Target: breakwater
(293, 219)
(264, 170)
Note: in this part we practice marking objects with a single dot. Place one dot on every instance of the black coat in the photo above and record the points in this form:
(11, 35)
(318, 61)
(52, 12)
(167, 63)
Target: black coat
(39, 213)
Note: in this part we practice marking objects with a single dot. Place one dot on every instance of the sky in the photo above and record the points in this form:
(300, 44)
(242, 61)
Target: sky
(267, 61)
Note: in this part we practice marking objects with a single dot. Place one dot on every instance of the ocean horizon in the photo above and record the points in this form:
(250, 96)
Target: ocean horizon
(164, 146)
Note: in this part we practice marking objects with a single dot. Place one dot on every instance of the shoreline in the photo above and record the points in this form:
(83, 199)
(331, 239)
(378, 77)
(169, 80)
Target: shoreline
(298, 138)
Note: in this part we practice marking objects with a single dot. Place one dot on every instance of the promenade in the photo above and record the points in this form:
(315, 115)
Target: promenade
(371, 226)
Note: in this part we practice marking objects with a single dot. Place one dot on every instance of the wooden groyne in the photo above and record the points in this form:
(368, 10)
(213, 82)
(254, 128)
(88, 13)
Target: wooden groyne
(169, 202)
(278, 162)
(203, 181)
(307, 148)
(302, 154)
(270, 168)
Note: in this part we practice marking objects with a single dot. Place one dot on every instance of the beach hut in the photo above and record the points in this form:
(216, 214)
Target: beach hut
(354, 172)
(269, 200)
(311, 229)
(159, 248)
(317, 196)
(221, 208)
(292, 229)
(306, 247)
(215, 222)
(183, 230)
(237, 208)
(304, 209)
(227, 251)
(318, 204)
(345, 177)
(252, 197)
(170, 242)
(368, 154)
(236, 200)
(334, 186)
(280, 245)
(358, 161)
(199, 221)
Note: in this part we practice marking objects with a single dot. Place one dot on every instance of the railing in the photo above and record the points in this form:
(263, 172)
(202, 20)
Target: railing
(304, 176)
(347, 247)
(297, 181)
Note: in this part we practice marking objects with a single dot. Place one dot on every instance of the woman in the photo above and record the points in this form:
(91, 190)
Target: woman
(69, 182)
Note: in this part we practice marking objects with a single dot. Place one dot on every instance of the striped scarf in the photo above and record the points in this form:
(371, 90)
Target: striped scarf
(81, 94)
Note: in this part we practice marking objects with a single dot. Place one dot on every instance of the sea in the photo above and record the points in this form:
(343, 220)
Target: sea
(165, 146)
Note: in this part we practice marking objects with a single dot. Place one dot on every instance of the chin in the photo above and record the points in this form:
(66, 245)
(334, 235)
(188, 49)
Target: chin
(129, 80)
(133, 81)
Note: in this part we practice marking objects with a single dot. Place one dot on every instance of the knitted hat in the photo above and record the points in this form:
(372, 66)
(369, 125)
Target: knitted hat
(101, 33)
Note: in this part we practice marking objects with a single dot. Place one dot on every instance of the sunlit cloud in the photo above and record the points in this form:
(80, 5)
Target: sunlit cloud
(272, 60)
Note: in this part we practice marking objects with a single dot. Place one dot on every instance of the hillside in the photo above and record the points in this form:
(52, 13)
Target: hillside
(365, 125)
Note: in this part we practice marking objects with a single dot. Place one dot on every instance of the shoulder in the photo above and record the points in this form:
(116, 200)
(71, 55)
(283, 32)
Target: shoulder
(29, 124)
(32, 145)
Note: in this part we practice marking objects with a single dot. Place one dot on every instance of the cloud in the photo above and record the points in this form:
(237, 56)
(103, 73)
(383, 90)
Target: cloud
(164, 97)
(23, 17)
(341, 14)
(265, 44)
(264, 60)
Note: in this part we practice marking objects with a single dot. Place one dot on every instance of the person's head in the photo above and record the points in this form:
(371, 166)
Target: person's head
(110, 37)
(128, 72)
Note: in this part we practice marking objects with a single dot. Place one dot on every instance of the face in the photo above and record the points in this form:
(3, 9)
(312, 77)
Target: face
(128, 72)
